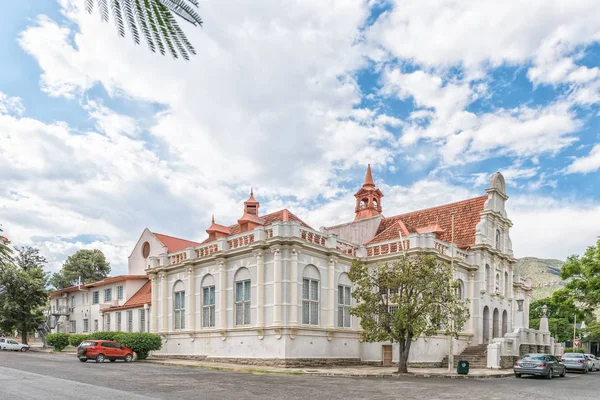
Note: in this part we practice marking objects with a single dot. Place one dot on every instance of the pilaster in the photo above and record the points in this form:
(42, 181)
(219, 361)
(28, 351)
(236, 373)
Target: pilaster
(164, 301)
(260, 284)
(154, 320)
(295, 252)
(190, 299)
(277, 285)
(331, 293)
(222, 293)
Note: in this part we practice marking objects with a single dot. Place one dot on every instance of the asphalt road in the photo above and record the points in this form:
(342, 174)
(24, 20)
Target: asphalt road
(47, 376)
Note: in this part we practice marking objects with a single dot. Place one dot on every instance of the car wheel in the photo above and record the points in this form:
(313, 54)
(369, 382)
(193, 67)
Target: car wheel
(128, 358)
(564, 373)
(585, 371)
(100, 358)
(83, 359)
(517, 375)
(112, 360)
(24, 349)
(550, 374)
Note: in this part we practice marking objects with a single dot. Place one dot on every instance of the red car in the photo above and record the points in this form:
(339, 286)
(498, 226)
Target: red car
(101, 350)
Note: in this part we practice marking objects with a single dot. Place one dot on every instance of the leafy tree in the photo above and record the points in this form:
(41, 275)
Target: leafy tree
(582, 274)
(155, 20)
(89, 265)
(58, 340)
(24, 292)
(410, 297)
(5, 251)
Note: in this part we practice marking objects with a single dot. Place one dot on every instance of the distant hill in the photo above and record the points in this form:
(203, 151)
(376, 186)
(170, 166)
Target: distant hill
(543, 273)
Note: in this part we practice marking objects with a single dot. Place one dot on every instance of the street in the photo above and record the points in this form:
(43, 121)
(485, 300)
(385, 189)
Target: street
(47, 376)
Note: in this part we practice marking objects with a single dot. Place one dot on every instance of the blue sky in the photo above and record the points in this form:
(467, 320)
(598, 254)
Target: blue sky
(100, 138)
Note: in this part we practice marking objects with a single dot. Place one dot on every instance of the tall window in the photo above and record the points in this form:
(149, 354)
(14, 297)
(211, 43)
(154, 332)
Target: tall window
(179, 305)
(73, 301)
(86, 324)
(487, 277)
(107, 322)
(506, 285)
(119, 292)
(95, 325)
(119, 321)
(498, 239)
(497, 283)
(310, 301)
(208, 306)
(242, 302)
(73, 326)
(96, 297)
(130, 321)
(107, 295)
(460, 289)
(344, 301)
(142, 320)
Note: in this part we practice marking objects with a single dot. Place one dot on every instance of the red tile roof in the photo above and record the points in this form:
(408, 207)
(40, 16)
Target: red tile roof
(466, 217)
(174, 244)
(113, 279)
(141, 297)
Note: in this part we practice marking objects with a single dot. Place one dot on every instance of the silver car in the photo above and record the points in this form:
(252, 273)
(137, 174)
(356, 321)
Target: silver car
(594, 362)
(576, 362)
(545, 365)
(9, 344)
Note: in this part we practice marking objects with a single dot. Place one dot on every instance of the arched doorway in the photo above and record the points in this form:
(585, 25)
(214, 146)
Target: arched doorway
(486, 325)
(495, 323)
(504, 323)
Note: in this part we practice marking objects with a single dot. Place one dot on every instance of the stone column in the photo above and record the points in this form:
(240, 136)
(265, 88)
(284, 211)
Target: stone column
(526, 310)
(154, 319)
(277, 285)
(331, 293)
(164, 302)
(191, 299)
(471, 296)
(260, 285)
(294, 286)
(222, 293)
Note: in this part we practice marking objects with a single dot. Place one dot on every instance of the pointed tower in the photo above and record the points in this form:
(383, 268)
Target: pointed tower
(368, 198)
(216, 231)
(250, 219)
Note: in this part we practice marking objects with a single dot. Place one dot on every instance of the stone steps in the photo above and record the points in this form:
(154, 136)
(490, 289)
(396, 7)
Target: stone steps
(475, 355)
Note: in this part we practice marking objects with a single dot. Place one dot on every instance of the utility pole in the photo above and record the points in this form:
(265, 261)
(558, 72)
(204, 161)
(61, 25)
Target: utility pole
(451, 352)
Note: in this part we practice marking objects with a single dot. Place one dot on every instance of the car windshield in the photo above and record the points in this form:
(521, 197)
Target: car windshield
(534, 357)
(573, 355)
(88, 343)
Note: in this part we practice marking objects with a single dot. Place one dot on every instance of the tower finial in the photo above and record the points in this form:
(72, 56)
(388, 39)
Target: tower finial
(369, 178)
(251, 191)
(213, 218)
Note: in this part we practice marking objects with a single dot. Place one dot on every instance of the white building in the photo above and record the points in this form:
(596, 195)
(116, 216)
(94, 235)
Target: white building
(271, 289)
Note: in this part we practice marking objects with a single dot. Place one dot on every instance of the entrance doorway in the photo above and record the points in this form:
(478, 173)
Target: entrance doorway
(486, 325)
(387, 355)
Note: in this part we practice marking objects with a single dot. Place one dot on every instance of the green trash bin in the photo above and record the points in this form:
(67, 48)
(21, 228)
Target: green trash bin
(462, 367)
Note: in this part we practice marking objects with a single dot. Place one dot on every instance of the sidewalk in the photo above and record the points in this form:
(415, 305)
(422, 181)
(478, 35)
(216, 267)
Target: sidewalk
(356, 371)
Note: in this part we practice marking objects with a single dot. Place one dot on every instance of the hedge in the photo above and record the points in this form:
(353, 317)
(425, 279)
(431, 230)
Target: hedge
(574, 350)
(140, 342)
(102, 335)
(58, 340)
(76, 339)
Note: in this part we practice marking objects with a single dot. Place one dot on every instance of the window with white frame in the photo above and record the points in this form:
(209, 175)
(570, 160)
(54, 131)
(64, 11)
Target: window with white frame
(107, 326)
(242, 302)
(95, 325)
(119, 321)
(107, 295)
(96, 297)
(119, 292)
(344, 302)
(130, 321)
(142, 313)
(86, 324)
(208, 305)
(73, 301)
(73, 326)
(311, 279)
(179, 305)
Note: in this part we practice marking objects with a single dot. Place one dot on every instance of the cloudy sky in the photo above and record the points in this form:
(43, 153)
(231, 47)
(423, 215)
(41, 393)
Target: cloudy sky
(100, 138)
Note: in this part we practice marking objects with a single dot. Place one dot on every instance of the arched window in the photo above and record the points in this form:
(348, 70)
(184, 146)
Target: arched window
(363, 204)
(506, 285)
(242, 297)
(344, 301)
(460, 289)
(208, 301)
(311, 279)
(498, 235)
(487, 277)
(179, 305)
(497, 283)
(375, 204)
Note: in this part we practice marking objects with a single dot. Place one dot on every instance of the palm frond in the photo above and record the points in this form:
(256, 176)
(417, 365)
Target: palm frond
(155, 19)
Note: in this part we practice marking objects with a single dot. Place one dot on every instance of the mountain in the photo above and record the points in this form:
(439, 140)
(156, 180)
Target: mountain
(543, 273)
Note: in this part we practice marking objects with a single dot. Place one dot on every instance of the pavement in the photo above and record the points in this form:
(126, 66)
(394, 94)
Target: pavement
(346, 371)
(40, 375)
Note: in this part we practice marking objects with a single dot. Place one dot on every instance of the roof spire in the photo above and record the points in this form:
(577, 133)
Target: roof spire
(369, 178)
(251, 191)
(213, 218)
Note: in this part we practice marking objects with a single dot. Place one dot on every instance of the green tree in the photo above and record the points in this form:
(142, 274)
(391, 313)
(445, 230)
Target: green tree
(5, 251)
(24, 292)
(155, 20)
(410, 297)
(89, 265)
(582, 274)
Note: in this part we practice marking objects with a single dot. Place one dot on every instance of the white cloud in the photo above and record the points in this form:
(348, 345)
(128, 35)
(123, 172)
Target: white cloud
(11, 105)
(589, 163)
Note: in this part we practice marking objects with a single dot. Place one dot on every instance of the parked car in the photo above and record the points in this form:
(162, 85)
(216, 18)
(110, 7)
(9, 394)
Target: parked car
(593, 361)
(10, 344)
(576, 362)
(101, 350)
(545, 365)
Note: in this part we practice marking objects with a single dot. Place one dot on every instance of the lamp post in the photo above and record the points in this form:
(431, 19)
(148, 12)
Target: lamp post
(451, 352)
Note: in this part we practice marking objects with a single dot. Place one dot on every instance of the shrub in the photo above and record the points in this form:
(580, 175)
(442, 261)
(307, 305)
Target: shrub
(76, 339)
(574, 350)
(102, 335)
(58, 340)
(141, 343)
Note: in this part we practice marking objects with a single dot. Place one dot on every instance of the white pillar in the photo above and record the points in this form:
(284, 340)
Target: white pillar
(331, 293)
(471, 296)
(260, 284)
(526, 310)
(294, 286)
(191, 297)
(164, 302)
(154, 319)
(222, 293)
(277, 285)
